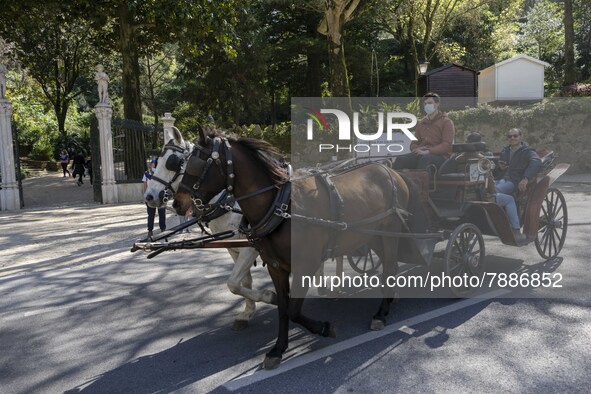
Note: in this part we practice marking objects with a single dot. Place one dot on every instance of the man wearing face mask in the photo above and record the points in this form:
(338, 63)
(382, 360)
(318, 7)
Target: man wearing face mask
(435, 135)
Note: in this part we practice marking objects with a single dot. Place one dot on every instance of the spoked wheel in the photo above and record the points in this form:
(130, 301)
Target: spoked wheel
(464, 254)
(553, 224)
(367, 263)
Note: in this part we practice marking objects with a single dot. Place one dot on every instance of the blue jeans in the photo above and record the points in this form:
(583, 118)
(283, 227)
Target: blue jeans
(505, 186)
(161, 218)
(508, 203)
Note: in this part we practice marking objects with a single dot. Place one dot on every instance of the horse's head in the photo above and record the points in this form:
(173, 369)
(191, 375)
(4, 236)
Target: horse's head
(168, 174)
(209, 171)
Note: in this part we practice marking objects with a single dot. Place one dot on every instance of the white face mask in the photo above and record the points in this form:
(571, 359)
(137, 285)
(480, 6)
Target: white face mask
(429, 108)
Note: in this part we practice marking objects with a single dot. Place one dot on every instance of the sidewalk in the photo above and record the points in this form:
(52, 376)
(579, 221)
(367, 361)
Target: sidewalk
(51, 189)
(61, 226)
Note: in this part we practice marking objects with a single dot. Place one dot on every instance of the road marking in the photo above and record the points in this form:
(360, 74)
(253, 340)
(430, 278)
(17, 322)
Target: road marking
(218, 275)
(308, 357)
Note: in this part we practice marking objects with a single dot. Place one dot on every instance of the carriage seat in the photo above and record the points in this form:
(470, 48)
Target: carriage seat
(547, 157)
(469, 147)
(450, 170)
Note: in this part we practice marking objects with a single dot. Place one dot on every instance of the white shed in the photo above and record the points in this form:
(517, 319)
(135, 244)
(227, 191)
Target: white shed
(518, 78)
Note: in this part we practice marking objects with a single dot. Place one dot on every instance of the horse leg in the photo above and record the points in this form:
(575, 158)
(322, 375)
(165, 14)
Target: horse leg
(389, 253)
(281, 282)
(243, 261)
(238, 283)
(322, 291)
(324, 329)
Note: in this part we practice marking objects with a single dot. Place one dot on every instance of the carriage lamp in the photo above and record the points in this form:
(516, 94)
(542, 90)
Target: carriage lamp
(422, 67)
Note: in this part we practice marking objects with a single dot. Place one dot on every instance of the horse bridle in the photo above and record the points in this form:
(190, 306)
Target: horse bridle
(207, 157)
(173, 163)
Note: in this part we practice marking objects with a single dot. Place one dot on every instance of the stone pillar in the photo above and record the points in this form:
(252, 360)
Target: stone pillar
(104, 114)
(167, 123)
(9, 195)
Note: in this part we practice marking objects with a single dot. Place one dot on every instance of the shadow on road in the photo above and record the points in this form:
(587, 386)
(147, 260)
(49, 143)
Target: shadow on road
(51, 189)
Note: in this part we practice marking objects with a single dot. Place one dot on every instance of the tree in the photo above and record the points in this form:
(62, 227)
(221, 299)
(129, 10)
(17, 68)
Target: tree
(421, 26)
(336, 14)
(570, 72)
(54, 48)
(159, 71)
(542, 36)
(582, 20)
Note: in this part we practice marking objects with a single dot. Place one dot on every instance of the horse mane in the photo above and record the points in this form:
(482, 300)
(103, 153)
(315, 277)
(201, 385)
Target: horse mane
(265, 154)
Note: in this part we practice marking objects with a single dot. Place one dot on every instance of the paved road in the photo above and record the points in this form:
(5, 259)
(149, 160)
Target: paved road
(79, 313)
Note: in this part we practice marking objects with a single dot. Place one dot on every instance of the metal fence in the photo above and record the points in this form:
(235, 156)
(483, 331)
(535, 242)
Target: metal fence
(134, 144)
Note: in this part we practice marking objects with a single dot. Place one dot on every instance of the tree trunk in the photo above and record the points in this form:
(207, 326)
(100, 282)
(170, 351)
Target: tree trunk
(570, 73)
(338, 79)
(313, 66)
(132, 105)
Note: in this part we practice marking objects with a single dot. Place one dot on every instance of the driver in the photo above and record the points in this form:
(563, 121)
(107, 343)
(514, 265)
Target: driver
(435, 135)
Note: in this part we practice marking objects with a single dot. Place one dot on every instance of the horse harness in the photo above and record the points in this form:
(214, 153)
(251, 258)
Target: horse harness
(173, 163)
(199, 165)
(280, 208)
(335, 223)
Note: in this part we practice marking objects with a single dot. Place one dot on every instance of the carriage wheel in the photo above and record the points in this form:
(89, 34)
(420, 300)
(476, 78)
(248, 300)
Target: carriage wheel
(365, 264)
(553, 224)
(464, 254)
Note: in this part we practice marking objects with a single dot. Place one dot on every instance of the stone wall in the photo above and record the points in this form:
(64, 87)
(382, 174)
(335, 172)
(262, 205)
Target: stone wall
(562, 125)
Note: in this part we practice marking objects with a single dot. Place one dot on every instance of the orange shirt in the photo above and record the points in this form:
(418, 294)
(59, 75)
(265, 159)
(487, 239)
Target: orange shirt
(436, 134)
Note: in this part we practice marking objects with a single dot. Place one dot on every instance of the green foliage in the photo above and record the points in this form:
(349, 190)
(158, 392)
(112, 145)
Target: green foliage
(38, 135)
(542, 36)
(278, 135)
(582, 16)
(53, 47)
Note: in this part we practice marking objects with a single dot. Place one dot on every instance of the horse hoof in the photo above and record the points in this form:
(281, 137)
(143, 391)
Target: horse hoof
(332, 333)
(271, 362)
(239, 325)
(376, 325)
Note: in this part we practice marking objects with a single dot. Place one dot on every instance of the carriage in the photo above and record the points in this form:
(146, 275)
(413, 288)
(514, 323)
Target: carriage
(460, 207)
(453, 202)
(460, 212)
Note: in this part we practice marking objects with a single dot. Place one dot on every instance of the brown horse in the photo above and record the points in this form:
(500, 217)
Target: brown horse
(293, 235)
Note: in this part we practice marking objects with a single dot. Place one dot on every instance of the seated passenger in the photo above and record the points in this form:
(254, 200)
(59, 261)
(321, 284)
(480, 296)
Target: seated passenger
(518, 164)
(435, 135)
(508, 203)
(504, 200)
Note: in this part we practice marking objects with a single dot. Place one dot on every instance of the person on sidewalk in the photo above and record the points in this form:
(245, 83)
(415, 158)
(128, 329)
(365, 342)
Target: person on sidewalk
(152, 211)
(64, 159)
(78, 166)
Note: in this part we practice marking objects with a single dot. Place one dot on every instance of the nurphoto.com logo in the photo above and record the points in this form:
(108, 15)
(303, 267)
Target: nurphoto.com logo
(366, 140)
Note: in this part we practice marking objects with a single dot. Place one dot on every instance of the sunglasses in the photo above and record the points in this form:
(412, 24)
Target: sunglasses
(513, 135)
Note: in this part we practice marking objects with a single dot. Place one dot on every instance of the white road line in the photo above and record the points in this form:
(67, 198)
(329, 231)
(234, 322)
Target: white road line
(309, 357)
(218, 275)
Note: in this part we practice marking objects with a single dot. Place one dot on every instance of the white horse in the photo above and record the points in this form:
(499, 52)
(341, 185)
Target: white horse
(165, 182)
